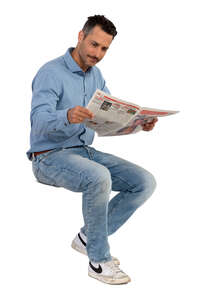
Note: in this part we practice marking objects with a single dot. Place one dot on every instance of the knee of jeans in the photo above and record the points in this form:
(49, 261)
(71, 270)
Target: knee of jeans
(149, 184)
(102, 179)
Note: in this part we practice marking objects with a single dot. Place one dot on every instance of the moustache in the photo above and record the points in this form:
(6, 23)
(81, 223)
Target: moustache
(93, 57)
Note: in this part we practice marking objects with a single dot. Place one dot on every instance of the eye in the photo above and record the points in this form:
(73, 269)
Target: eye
(94, 44)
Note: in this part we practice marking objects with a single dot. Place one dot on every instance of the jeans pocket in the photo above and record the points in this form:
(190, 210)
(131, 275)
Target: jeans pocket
(42, 178)
(45, 179)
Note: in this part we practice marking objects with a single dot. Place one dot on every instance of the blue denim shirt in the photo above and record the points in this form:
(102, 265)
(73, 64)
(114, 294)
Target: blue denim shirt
(59, 85)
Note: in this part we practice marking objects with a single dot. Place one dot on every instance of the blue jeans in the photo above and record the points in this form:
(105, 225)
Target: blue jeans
(95, 174)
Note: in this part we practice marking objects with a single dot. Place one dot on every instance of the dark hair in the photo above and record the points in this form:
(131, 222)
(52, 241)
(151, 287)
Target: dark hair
(105, 24)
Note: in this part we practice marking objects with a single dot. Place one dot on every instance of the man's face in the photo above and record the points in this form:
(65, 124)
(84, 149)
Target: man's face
(94, 46)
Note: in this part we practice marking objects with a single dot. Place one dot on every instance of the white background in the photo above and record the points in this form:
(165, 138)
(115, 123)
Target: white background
(152, 62)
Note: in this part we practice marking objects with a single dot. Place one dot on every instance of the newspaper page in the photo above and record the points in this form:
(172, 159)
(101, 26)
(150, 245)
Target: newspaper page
(113, 116)
(110, 113)
(145, 115)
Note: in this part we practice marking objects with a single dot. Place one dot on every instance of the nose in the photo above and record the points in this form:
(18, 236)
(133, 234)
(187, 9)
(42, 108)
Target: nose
(98, 52)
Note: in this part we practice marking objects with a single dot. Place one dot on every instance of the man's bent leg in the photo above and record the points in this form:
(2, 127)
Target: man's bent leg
(135, 186)
(73, 170)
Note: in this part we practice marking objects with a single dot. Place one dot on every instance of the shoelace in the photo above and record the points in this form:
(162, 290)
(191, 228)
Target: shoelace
(115, 268)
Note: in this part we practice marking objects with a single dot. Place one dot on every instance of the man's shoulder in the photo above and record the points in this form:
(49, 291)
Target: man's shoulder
(51, 69)
(52, 65)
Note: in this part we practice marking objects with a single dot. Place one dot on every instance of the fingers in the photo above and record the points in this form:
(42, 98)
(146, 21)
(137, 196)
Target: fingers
(78, 114)
(152, 121)
(148, 126)
(84, 110)
(155, 120)
(82, 113)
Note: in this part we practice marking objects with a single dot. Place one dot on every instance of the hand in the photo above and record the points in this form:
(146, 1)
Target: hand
(78, 114)
(149, 125)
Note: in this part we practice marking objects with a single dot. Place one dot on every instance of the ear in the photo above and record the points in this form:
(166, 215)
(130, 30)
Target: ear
(80, 36)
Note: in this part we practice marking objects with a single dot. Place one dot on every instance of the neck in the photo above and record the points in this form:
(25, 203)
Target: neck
(77, 59)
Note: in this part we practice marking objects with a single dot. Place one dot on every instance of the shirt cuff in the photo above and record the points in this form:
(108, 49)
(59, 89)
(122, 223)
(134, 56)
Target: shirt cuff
(66, 122)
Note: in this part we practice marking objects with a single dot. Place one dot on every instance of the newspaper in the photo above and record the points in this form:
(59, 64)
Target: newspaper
(113, 116)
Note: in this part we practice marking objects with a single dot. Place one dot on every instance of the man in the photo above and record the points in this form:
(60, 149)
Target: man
(61, 154)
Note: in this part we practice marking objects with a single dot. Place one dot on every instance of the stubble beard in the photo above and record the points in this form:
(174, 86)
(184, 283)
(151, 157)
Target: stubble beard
(83, 61)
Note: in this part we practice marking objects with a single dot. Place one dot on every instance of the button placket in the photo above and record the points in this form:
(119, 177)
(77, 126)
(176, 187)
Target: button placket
(84, 87)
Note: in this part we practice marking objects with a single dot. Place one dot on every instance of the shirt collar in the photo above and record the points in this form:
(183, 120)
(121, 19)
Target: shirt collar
(71, 63)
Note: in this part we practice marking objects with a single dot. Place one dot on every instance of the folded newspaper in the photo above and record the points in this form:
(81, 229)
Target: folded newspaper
(113, 116)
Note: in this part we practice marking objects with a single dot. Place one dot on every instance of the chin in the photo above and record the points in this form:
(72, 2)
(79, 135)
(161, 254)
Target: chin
(91, 65)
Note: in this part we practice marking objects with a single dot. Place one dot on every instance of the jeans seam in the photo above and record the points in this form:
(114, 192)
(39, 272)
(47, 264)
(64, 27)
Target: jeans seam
(89, 225)
(124, 181)
(89, 209)
(119, 192)
(67, 169)
(61, 169)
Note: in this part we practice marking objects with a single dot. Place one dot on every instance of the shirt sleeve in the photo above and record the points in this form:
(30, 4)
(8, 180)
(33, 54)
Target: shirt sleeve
(45, 118)
(104, 87)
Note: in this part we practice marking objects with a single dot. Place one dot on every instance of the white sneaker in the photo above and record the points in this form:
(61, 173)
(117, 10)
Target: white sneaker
(79, 244)
(107, 272)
